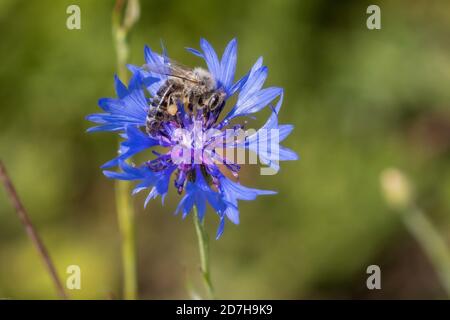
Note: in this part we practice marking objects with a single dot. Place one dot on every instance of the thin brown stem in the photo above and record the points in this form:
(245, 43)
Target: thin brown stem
(31, 231)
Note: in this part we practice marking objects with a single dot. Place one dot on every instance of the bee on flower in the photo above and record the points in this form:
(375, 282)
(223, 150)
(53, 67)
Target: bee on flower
(183, 110)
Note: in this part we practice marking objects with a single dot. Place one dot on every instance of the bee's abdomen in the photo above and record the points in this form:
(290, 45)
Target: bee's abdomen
(158, 110)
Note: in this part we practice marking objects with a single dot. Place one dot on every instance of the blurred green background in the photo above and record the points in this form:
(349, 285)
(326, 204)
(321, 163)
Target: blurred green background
(360, 101)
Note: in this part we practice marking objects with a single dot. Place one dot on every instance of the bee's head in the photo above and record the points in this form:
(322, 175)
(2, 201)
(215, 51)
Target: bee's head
(205, 78)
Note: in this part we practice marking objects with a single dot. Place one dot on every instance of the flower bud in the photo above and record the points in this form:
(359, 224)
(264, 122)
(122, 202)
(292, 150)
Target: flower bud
(396, 188)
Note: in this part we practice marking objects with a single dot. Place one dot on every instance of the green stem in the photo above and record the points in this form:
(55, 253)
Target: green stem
(125, 209)
(432, 243)
(203, 246)
(125, 216)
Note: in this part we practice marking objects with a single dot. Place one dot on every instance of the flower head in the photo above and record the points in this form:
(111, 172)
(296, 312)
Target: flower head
(182, 111)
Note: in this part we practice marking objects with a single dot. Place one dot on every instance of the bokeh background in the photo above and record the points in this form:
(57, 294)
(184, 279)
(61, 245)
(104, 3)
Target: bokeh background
(360, 101)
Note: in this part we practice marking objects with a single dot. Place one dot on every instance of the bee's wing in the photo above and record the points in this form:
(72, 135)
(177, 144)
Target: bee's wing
(171, 69)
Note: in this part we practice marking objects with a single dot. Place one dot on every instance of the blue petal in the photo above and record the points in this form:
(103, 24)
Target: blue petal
(195, 52)
(151, 195)
(131, 108)
(106, 127)
(254, 82)
(136, 141)
(160, 184)
(279, 103)
(285, 130)
(232, 192)
(121, 89)
(211, 59)
(186, 203)
(152, 57)
(287, 154)
(158, 181)
(240, 192)
(228, 64)
(135, 82)
(128, 172)
(268, 147)
(256, 102)
(223, 71)
(201, 205)
(198, 193)
(238, 85)
(220, 228)
(252, 98)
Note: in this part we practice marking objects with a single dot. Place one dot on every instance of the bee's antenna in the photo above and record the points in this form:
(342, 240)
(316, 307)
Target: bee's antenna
(164, 51)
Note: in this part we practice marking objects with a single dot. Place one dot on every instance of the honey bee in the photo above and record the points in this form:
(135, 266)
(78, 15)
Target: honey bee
(195, 89)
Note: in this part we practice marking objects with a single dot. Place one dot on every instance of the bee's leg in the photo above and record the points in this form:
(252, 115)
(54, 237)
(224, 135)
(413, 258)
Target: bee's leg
(172, 107)
(164, 97)
(189, 101)
(203, 109)
(152, 126)
(199, 104)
